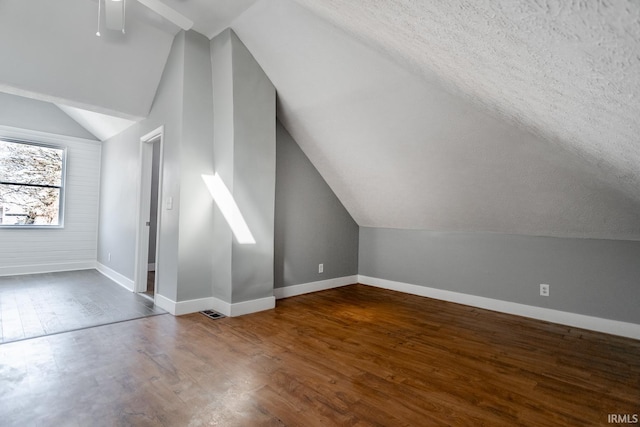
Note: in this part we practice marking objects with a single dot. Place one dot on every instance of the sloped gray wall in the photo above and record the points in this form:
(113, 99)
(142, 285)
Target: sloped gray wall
(254, 180)
(312, 226)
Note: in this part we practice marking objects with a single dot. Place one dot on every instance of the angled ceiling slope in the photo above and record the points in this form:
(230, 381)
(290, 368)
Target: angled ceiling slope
(55, 56)
(451, 117)
(30, 114)
(101, 126)
(566, 70)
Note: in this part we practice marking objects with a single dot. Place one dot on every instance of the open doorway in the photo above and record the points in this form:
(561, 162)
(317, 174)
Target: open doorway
(153, 218)
(147, 265)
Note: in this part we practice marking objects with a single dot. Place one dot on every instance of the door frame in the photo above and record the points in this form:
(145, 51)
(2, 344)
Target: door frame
(144, 206)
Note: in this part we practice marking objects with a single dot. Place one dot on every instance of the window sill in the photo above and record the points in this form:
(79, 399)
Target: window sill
(31, 227)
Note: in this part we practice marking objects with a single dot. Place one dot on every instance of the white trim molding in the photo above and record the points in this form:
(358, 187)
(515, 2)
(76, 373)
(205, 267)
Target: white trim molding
(120, 279)
(306, 288)
(211, 303)
(46, 268)
(614, 327)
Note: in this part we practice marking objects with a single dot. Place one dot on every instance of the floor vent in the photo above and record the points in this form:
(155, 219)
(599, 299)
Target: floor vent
(212, 314)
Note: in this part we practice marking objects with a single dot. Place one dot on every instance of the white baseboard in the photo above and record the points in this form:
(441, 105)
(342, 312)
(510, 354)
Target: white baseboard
(614, 327)
(194, 305)
(211, 303)
(46, 268)
(151, 266)
(305, 288)
(252, 306)
(121, 280)
(165, 303)
(184, 307)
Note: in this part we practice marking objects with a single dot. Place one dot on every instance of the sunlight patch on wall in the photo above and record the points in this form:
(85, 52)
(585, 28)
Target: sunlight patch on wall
(223, 198)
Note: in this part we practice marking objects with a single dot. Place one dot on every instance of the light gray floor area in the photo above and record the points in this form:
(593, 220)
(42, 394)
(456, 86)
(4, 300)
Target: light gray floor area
(34, 305)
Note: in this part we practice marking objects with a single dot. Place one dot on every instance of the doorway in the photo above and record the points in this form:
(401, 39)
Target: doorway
(153, 218)
(149, 216)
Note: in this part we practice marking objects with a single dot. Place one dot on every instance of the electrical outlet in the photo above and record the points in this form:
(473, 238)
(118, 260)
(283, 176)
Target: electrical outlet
(544, 290)
(109, 257)
(320, 268)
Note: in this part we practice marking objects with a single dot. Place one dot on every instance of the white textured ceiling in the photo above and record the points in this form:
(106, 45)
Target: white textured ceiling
(566, 69)
(449, 117)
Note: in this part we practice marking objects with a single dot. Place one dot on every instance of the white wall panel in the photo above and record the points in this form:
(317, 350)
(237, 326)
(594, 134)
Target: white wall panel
(37, 250)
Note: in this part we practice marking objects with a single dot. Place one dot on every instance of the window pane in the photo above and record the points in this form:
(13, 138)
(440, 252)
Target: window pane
(30, 164)
(20, 205)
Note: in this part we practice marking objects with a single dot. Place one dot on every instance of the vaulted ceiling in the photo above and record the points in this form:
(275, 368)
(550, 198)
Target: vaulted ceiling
(494, 116)
(50, 51)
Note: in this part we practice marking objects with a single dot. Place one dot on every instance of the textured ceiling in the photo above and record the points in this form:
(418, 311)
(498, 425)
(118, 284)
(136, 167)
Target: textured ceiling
(500, 145)
(567, 70)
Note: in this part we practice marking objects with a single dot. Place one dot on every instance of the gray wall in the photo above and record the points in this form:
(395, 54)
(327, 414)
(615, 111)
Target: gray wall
(592, 277)
(184, 107)
(312, 226)
(222, 77)
(245, 159)
(26, 113)
(254, 180)
(120, 161)
(167, 111)
(196, 158)
(118, 199)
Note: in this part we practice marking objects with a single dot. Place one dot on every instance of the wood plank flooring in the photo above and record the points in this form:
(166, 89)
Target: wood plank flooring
(352, 356)
(33, 305)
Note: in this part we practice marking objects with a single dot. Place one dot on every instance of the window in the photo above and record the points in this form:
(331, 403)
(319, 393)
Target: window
(31, 184)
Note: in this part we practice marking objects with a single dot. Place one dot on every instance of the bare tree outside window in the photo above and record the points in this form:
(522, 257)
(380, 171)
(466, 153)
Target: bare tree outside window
(31, 179)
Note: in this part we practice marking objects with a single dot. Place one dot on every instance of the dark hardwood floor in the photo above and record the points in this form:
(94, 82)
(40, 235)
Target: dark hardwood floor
(350, 356)
(33, 305)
